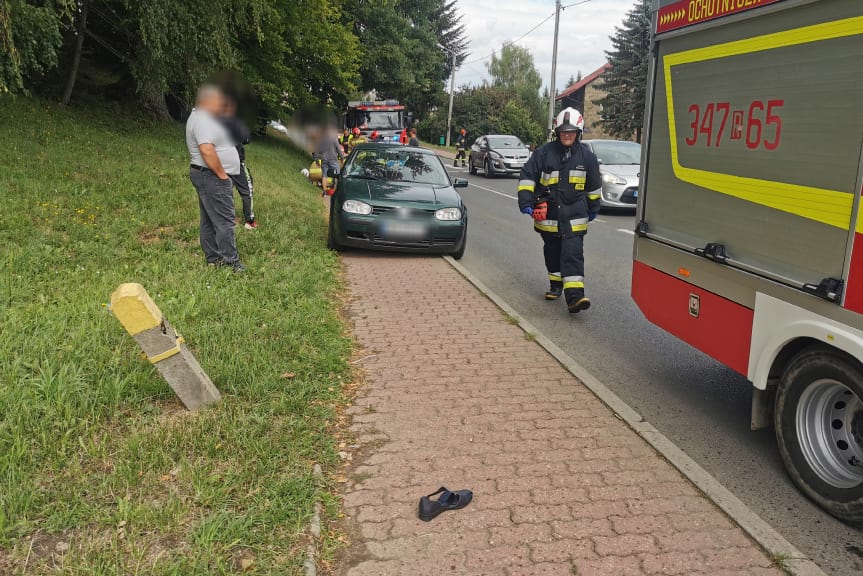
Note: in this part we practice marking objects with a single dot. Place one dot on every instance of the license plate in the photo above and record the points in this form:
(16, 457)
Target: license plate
(402, 231)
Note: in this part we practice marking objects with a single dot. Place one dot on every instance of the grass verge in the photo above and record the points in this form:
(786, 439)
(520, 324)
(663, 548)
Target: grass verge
(101, 470)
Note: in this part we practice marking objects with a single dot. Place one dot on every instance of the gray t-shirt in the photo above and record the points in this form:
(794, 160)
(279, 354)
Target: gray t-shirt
(203, 128)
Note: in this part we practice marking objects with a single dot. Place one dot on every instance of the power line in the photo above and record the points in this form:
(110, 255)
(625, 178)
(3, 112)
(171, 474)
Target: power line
(546, 19)
(532, 30)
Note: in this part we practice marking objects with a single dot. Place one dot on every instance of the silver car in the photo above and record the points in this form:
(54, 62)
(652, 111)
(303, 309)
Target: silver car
(620, 165)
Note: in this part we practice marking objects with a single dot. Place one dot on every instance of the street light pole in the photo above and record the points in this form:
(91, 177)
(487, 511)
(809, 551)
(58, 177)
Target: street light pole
(451, 95)
(552, 92)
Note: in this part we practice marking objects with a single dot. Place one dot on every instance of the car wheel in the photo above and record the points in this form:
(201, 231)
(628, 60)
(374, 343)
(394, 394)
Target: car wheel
(332, 242)
(487, 169)
(471, 167)
(459, 252)
(819, 429)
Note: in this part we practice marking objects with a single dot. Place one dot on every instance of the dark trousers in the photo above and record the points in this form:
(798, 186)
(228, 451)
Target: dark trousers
(245, 185)
(459, 155)
(216, 201)
(564, 260)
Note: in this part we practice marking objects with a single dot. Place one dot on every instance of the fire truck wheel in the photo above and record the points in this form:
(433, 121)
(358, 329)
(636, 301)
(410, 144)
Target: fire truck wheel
(819, 429)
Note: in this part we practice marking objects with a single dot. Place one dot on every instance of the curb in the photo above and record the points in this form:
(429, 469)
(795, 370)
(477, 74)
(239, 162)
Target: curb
(310, 566)
(777, 547)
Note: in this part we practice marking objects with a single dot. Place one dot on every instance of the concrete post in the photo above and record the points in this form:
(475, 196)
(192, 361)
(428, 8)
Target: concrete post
(163, 345)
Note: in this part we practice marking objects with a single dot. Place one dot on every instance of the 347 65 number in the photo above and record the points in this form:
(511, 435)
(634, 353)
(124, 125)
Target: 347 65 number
(753, 129)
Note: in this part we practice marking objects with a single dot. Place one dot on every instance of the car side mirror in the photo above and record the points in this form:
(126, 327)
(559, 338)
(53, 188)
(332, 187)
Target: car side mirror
(459, 183)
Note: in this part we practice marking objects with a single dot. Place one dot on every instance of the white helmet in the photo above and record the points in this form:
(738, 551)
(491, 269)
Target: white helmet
(569, 120)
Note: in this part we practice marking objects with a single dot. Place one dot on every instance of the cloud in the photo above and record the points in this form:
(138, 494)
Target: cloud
(584, 32)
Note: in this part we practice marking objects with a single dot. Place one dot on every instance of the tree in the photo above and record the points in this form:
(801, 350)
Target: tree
(30, 39)
(625, 83)
(515, 71)
(399, 41)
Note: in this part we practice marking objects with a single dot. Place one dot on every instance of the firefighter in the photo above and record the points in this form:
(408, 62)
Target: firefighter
(560, 188)
(344, 140)
(356, 138)
(460, 145)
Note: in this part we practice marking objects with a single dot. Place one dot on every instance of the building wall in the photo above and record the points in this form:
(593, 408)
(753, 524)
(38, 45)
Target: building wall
(593, 114)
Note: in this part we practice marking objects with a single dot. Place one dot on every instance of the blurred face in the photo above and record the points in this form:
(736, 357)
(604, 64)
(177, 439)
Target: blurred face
(212, 102)
(568, 138)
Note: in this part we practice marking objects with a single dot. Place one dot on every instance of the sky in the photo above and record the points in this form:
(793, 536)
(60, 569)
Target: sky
(584, 32)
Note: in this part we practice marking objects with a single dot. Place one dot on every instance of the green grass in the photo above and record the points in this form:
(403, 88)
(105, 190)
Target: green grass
(95, 451)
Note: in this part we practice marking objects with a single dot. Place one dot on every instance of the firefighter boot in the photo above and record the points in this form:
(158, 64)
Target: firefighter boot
(555, 291)
(576, 306)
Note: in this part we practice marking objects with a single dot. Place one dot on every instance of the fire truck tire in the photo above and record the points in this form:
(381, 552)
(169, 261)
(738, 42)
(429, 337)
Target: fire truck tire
(819, 429)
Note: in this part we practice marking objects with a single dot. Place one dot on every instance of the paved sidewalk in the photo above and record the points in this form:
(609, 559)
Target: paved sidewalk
(459, 397)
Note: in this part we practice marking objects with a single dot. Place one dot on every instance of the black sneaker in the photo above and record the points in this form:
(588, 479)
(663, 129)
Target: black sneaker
(554, 293)
(238, 267)
(217, 264)
(577, 306)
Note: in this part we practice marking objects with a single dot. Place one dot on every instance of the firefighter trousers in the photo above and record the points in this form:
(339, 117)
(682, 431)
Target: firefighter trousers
(564, 260)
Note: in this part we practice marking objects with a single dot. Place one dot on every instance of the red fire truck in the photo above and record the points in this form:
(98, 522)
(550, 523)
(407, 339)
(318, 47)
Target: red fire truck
(749, 241)
(386, 117)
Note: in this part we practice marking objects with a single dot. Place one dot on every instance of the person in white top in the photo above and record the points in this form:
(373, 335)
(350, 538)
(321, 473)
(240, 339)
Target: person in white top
(214, 159)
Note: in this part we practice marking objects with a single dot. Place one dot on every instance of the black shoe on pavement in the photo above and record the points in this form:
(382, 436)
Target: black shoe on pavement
(577, 306)
(554, 293)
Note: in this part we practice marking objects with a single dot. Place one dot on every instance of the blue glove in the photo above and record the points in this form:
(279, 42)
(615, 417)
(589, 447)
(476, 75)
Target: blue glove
(527, 210)
(591, 216)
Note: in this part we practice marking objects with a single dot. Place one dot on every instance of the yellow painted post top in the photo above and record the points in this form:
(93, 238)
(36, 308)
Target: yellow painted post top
(134, 308)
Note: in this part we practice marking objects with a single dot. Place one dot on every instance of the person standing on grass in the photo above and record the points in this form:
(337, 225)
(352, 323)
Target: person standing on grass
(330, 154)
(241, 135)
(414, 141)
(214, 158)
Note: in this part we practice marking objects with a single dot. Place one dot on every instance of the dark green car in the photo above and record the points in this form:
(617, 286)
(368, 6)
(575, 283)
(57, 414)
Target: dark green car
(397, 198)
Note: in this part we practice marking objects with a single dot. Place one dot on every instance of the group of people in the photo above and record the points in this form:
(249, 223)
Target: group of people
(559, 187)
(215, 138)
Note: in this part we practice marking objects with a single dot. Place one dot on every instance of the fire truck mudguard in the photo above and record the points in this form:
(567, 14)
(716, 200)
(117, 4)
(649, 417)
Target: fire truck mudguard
(749, 241)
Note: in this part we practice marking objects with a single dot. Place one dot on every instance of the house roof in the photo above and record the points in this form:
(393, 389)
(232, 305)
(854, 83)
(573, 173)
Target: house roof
(583, 82)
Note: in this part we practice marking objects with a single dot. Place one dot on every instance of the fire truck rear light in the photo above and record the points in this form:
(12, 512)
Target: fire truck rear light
(684, 272)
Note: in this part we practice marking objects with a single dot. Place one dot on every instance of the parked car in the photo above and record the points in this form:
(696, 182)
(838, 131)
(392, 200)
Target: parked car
(398, 198)
(620, 165)
(497, 154)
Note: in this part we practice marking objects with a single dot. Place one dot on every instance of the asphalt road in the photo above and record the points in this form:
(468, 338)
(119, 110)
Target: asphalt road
(699, 404)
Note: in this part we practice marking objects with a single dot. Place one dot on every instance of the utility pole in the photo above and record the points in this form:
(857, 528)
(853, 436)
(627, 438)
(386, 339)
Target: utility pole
(451, 95)
(451, 91)
(552, 92)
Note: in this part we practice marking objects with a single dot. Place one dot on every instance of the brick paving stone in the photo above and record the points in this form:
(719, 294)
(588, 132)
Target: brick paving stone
(561, 485)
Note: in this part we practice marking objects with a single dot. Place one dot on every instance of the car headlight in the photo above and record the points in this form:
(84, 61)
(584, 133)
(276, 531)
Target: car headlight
(356, 207)
(609, 178)
(495, 155)
(448, 214)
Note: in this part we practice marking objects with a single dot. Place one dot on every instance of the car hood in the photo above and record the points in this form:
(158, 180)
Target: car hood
(512, 152)
(395, 192)
(628, 171)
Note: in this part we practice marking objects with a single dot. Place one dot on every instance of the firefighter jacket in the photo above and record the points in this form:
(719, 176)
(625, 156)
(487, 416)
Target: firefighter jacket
(568, 180)
(460, 142)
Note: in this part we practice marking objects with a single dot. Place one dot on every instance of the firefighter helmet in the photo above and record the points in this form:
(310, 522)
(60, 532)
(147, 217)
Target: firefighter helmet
(355, 131)
(463, 132)
(569, 120)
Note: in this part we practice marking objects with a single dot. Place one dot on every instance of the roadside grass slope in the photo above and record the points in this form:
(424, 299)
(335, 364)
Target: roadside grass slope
(101, 469)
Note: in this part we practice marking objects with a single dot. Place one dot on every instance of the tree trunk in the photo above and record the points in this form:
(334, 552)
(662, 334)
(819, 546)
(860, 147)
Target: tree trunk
(153, 101)
(80, 28)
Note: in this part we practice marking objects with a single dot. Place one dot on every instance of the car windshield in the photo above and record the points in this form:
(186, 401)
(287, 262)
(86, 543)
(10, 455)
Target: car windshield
(383, 120)
(617, 153)
(397, 165)
(504, 142)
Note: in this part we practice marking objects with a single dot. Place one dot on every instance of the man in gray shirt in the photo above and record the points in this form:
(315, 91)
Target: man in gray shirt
(330, 154)
(214, 158)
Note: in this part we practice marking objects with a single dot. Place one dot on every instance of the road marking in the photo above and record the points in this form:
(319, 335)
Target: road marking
(494, 191)
(625, 231)
(600, 220)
